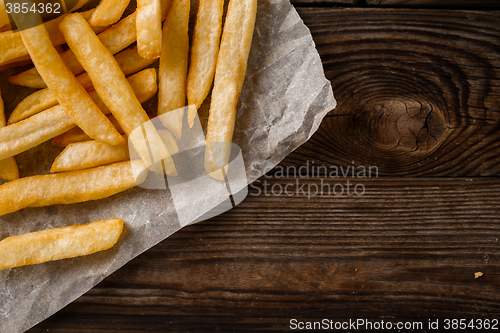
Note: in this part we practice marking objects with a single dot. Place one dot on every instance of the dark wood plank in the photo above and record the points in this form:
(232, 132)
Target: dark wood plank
(325, 2)
(406, 250)
(486, 4)
(418, 91)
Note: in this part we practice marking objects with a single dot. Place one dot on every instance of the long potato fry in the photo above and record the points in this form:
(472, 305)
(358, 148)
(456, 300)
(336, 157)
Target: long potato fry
(8, 167)
(204, 52)
(229, 78)
(4, 18)
(144, 85)
(113, 88)
(129, 61)
(59, 243)
(108, 12)
(11, 43)
(68, 91)
(114, 39)
(26, 134)
(69, 187)
(173, 66)
(149, 28)
(91, 154)
(76, 134)
(24, 60)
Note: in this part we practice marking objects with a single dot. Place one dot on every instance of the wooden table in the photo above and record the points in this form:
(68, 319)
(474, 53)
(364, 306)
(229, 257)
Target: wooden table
(418, 87)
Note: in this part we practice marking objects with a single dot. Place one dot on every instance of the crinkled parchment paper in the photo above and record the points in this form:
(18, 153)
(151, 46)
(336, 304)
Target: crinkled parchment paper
(284, 99)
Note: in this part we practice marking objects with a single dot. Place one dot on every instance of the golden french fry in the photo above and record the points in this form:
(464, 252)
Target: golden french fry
(69, 187)
(59, 243)
(68, 91)
(229, 77)
(33, 104)
(173, 66)
(26, 134)
(4, 18)
(21, 61)
(108, 12)
(129, 61)
(144, 86)
(91, 154)
(204, 52)
(11, 43)
(76, 134)
(169, 141)
(111, 85)
(24, 60)
(8, 167)
(114, 39)
(149, 28)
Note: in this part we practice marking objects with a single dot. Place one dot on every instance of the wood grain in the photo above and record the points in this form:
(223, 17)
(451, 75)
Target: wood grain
(405, 250)
(485, 4)
(325, 3)
(418, 91)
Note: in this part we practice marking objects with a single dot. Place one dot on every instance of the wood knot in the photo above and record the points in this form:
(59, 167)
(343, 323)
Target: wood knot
(406, 124)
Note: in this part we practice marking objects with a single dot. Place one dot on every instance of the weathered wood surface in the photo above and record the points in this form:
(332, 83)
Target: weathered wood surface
(486, 4)
(326, 2)
(418, 91)
(405, 250)
(418, 94)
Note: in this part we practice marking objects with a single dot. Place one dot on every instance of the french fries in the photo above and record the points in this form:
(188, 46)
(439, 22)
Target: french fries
(149, 28)
(114, 39)
(68, 91)
(26, 134)
(204, 52)
(229, 77)
(129, 61)
(4, 18)
(66, 188)
(96, 163)
(108, 12)
(59, 243)
(11, 43)
(76, 134)
(173, 66)
(8, 167)
(29, 133)
(113, 88)
(91, 154)
(165, 8)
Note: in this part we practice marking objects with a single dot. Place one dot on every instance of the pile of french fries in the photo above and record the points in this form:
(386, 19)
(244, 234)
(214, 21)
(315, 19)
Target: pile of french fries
(89, 101)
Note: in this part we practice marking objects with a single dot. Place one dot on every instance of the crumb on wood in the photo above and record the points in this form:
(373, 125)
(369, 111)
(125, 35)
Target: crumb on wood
(477, 275)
